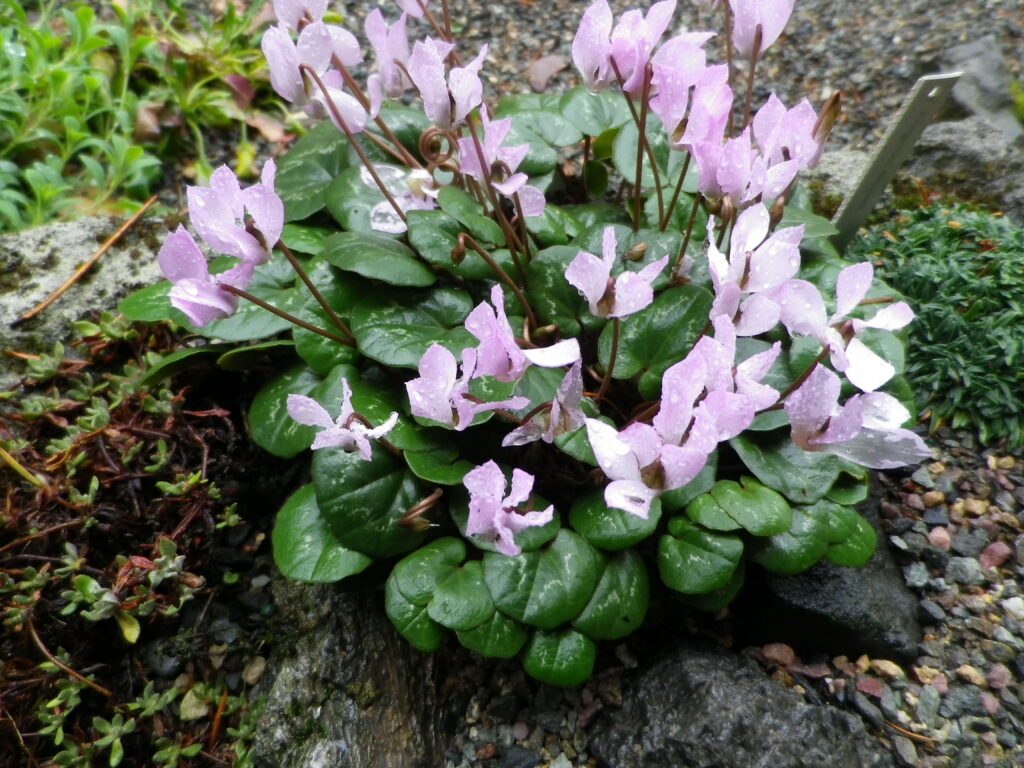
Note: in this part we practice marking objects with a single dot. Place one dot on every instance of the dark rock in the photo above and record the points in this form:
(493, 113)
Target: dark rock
(835, 610)
(961, 700)
(934, 557)
(936, 516)
(520, 757)
(915, 542)
(969, 543)
(931, 612)
(344, 689)
(504, 708)
(704, 707)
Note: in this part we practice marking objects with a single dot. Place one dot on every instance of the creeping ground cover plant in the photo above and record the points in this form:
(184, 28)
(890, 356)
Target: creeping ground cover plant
(547, 349)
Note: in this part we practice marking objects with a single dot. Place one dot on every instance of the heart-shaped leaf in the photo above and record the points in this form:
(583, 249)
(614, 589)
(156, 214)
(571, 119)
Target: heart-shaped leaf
(619, 602)
(851, 538)
(271, 427)
(779, 463)
(461, 600)
(377, 257)
(470, 214)
(562, 657)
(594, 113)
(350, 200)
(625, 147)
(799, 548)
(729, 506)
(547, 587)
(416, 576)
(363, 501)
(555, 226)
(694, 560)
(395, 328)
(411, 620)
(608, 528)
(497, 638)
(304, 547)
(657, 337)
(678, 498)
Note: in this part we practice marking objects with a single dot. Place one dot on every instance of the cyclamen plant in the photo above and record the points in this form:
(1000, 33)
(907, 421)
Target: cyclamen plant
(581, 362)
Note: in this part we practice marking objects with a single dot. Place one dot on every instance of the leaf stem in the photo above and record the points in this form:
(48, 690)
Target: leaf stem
(464, 239)
(282, 314)
(754, 53)
(338, 323)
(675, 194)
(640, 119)
(675, 277)
(607, 380)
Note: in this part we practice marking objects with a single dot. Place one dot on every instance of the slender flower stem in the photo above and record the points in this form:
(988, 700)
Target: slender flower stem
(397, 150)
(754, 53)
(675, 194)
(511, 238)
(446, 16)
(352, 140)
(686, 238)
(521, 215)
(313, 290)
(282, 314)
(728, 59)
(467, 239)
(61, 665)
(607, 380)
(640, 119)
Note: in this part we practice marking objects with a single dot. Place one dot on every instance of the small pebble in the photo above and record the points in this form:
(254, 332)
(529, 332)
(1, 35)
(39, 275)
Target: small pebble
(887, 669)
(940, 683)
(906, 752)
(994, 555)
(965, 570)
(872, 686)
(933, 498)
(975, 507)
(989, 702)
(1014, 606)
(779, 653)
(970, 674)
(998, 676)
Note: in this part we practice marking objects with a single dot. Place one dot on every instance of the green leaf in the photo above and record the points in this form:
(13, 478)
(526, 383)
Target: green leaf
(302, 188)
(625, 147)
(434, 234)
(594, 113)
(498, 638)
(324, 146)
(520, 102)
(252, 355)
(416, 576)
(564, 657)
(549, 125)
(182, 360)
(461, 600)
(468, 212)
(694, 560)
(340, 290)
(271, 427)
(655, 338)
(541, 157)
(411, 620)
(378, 257)
(553, 299)
(303, 239)
(779, 463)
(304, 547)
(555, 226)
(363, 501)
(676, 499)
(547, 587)
(799, 548)
(753, 507)
(441, 467)
(718, 599)
(273, 282)
(350, 200)
(851, 538)
(395, 328)
(151, 305)
(619, 602)
(848, 490)
(611, 529)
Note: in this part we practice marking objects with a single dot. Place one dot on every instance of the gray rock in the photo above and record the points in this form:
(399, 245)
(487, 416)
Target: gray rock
(928, 706)
(965, 570)
(704, 707)
(969, 160)
(344, 690)
(36, 262)
(984, 87)
(836, 610)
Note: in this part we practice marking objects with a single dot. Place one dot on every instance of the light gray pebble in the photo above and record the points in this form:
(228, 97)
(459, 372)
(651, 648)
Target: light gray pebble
(916, 575)
(965, 570)
(890, 704)
(1005, 636)
(906, 752)
(928, 706)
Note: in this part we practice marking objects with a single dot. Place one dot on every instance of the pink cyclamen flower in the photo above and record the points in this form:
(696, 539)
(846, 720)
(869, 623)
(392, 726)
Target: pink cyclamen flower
(591, 46)
(770, 15)
(803, 314)
(195, 292)
(243, 223)
(562, 417)
(634, 38)
(390, 43)
(492, 515)
(347, 432)
(285, 59)
(290, 13)
(446, 102)
(756, 264)
(789, 134)
(500, 163)
(867, 429)
(628, 293)
(440, 395)
(498, 353)
(414, 8)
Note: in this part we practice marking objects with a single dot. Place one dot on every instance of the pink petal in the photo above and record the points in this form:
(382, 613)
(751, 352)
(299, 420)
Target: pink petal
(306, 410)
(852, 285)
(866, 370)
(564, 352)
